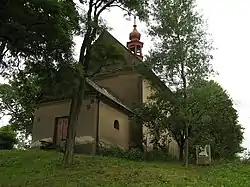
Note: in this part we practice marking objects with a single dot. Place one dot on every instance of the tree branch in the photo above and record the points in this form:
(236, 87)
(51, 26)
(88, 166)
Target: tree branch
(96, 72)
(98, 3)
(87, 35)
(2, 52)
(108, 4)
(120, 6)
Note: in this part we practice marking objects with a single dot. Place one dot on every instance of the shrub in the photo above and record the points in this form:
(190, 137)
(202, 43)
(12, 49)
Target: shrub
(133, 154)
(7, 137)
(157, 155)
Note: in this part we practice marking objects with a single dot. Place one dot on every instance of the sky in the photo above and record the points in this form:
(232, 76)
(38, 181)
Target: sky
(228, 22)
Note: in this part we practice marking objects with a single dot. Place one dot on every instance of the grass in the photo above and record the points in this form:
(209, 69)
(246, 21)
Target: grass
(43, 169)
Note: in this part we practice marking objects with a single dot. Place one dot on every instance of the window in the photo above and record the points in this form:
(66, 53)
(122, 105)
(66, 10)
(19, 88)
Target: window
(116, 124)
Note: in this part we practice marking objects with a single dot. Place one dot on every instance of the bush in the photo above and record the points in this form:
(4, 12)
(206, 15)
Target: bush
(157, 155)
(114, 151)
(133, 154)
(7, 137)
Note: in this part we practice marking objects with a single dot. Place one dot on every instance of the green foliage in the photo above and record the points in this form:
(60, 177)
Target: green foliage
(31, 168)
(152, 118)
(181, 55)
(114, 151)
(210, 112)
(17, 99)
(139, 7)
(105, 56)
(214, 119)
(7, 137)
(36, 31)
(183, 48)
(134, 154)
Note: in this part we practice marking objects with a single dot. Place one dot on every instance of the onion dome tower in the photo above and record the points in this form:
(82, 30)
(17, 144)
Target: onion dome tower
(135, 45)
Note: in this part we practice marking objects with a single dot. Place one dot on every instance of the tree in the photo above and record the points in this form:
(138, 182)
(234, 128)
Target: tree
(17, 100)
(210, 111)
(36, 31)
(36, 39)
(217, 120)
(91, 28)
(182, 54)
(153, 117)
(7, 137)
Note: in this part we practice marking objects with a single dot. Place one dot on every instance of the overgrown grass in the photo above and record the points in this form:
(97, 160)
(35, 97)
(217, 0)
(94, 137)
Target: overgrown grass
(42, 168)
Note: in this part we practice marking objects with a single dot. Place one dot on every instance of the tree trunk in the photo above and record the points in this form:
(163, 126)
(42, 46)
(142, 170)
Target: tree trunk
(84, 61)
(76, 103)
(186, 146)
(78, 95)
(183, 77)
(2, 47)
(181, 156)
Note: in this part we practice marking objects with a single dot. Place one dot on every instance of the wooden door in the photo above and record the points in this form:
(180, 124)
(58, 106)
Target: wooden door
(62, 128)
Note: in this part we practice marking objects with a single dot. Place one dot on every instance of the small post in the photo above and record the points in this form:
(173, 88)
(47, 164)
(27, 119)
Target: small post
(197, 154)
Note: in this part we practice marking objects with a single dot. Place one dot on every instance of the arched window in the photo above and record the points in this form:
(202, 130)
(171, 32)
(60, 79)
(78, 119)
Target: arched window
(116, 124)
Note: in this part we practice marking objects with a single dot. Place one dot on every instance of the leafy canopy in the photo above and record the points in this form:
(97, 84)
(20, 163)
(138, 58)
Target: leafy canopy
(17, 99)
(211, 112)
(33, 30)
(216, 122)
(7, 137)
(181, 55)
(181, 43)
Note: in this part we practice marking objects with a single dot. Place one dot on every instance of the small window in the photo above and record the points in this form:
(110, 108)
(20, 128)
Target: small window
(116, 124)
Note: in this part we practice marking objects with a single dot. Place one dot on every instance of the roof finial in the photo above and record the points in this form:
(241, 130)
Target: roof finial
(134, 20)
(134, 35)
(135, 45)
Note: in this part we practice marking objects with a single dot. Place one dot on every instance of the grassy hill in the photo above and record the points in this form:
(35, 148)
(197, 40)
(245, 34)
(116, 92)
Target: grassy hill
(41, 168)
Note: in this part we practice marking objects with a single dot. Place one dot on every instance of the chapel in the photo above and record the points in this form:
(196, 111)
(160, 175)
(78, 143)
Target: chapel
(105, 117)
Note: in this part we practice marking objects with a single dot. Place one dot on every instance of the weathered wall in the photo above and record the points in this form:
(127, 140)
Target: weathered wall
(44, 118)
(107, 132)
(147, 91)
(124, 86)
(173, 146)
(127, 87)
(46, 114)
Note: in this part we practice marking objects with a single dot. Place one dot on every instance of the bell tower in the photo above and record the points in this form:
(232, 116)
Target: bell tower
(135, 45)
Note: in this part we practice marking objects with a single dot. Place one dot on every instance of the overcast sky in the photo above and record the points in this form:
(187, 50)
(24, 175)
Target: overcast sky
(228, 22)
